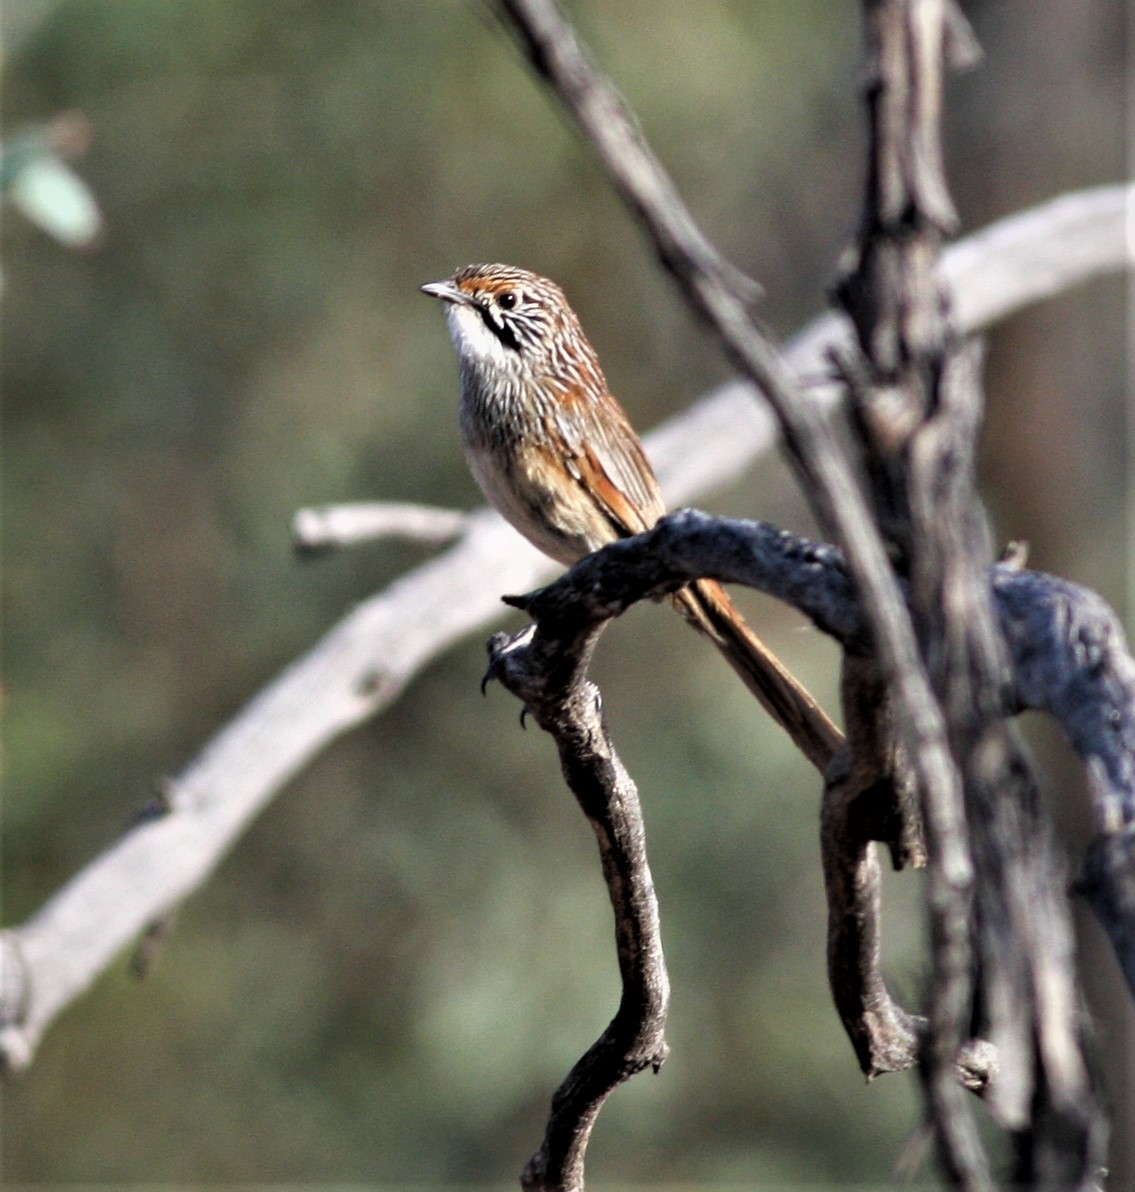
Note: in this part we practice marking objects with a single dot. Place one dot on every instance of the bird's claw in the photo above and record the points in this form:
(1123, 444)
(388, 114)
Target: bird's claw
(499, 646)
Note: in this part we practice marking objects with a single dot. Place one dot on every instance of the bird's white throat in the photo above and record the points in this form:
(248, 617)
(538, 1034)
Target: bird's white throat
(475, 343)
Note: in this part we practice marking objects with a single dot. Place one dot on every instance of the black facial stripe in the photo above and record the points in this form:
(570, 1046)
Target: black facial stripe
(501, 330)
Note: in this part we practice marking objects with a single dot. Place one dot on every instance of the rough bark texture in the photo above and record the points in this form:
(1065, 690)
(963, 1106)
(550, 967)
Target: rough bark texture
(546, 670)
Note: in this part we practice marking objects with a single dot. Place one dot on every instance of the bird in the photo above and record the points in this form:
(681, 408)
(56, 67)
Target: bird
(555, 454)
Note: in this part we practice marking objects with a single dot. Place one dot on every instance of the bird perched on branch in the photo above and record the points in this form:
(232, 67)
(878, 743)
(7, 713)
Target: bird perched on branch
(555, 454)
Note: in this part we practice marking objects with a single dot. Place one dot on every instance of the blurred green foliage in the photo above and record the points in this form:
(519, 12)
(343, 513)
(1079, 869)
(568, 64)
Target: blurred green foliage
(394, 968)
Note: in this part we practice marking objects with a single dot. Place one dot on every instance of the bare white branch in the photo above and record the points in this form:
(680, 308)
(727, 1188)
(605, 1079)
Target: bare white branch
(324, 527)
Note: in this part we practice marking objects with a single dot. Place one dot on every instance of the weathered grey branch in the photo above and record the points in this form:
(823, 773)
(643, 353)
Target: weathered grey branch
(363, 662)
(901, 311)
(1001, 933)
(1000, 930)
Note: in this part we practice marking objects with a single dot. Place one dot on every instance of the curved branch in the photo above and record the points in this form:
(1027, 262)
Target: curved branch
(547, 672)
(993, 273)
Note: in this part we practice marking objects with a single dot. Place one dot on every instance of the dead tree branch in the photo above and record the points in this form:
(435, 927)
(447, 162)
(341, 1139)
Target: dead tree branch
(328, 527)
(1001, 931)
(1066, 652)
(546, 669)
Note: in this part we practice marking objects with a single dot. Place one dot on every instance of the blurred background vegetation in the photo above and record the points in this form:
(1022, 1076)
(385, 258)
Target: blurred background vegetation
(393, 969)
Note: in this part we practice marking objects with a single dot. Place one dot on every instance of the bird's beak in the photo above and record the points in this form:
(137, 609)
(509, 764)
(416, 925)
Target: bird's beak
(447, 291)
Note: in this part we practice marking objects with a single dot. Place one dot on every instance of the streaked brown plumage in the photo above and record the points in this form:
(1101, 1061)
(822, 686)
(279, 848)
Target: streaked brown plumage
(554, 452)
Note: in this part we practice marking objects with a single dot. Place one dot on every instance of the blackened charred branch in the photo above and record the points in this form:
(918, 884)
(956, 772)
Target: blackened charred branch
(545, 667)
(1071, 659)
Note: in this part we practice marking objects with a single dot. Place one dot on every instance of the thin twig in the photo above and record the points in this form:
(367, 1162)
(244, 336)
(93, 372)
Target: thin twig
(325, 527)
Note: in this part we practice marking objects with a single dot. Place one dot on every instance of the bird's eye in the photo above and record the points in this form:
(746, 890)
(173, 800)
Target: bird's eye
(507, 300)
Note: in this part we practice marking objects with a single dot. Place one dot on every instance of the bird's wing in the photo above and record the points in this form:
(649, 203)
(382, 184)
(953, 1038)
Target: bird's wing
(606, 457)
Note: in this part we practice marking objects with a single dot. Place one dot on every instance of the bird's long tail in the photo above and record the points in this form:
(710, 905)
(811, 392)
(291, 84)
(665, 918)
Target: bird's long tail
(706, 605)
